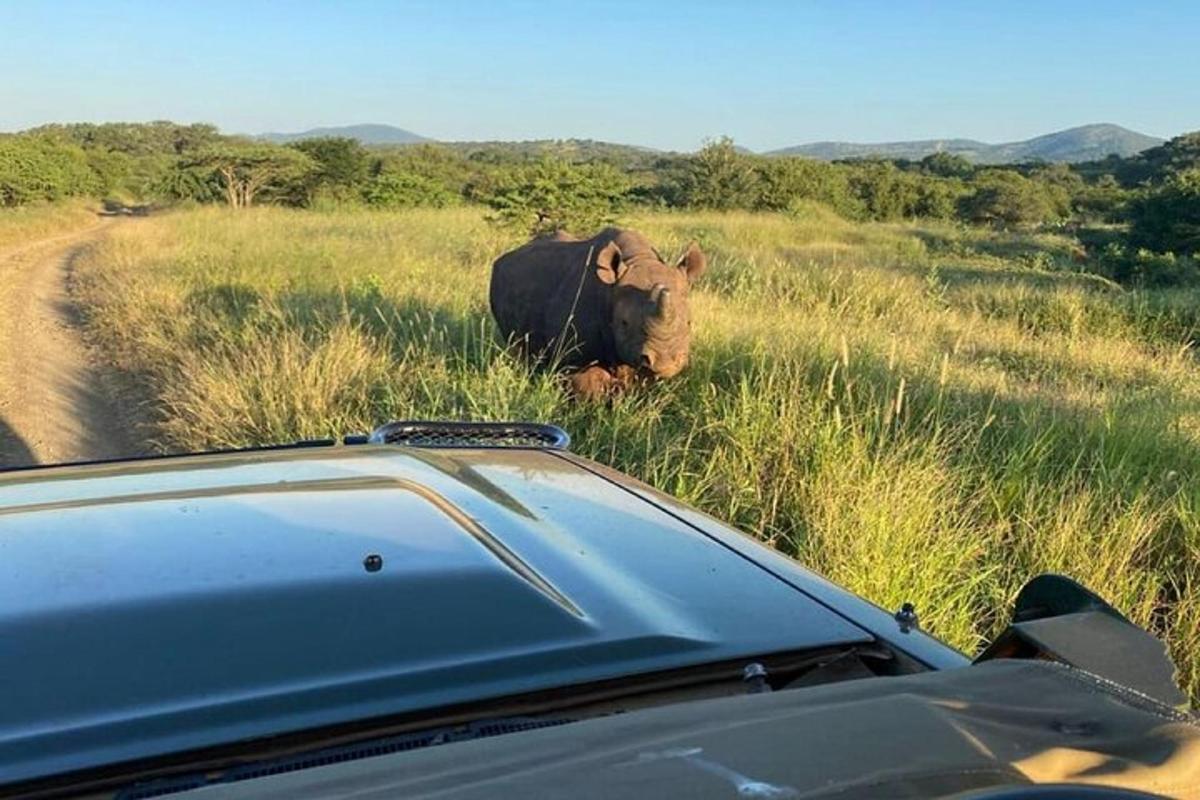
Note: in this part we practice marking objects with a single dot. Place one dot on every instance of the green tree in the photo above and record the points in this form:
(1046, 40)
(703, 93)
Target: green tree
(183, 182)
(938, 198)
(946, 165)
(112, 168)
(1062, 185)
(1167, 219)
(407, 190)
(1158, 164)
(886, 192)
(246, 169)
(1102, 200)
(340, 167)
(1006, 199)
(718, 177)
(36, 168)
(554, 195)
(440, 169)
(784, 181)
(135, 138)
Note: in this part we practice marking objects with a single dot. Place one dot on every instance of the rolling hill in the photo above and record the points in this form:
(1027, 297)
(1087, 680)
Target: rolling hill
(1085, 143)
(367, 134)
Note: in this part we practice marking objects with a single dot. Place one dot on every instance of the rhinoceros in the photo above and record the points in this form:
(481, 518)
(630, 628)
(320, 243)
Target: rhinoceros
(608, 303)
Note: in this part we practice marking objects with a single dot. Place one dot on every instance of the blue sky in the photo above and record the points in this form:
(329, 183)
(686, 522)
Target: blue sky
(665, 74)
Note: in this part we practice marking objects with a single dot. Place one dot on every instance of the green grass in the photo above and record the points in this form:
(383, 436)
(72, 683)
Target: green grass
(924, 414)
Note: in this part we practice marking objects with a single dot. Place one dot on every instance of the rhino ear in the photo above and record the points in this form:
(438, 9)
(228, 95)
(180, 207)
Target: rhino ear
(609, 264)
(693, 262)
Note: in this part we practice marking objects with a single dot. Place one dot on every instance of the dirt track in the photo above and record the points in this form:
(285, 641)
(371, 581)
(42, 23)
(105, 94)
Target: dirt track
(54, 404)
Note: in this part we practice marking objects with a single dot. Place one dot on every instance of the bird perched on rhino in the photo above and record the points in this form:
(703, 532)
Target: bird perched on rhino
(607, 307)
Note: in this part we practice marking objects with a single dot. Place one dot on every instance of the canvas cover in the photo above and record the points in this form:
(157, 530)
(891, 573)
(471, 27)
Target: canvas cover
(932, 735)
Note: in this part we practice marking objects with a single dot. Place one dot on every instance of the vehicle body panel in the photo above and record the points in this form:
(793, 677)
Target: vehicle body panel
(159, 606)
(883, 624)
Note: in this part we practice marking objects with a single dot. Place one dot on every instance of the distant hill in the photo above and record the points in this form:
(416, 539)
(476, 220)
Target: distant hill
(1085, 143)
(366, 134)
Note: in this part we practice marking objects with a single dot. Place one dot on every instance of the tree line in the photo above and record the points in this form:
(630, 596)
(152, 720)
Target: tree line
(1152, 198)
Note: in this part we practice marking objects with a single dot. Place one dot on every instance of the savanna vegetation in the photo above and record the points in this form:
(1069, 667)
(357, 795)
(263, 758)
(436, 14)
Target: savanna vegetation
(19, 226)
(920, 411)
(927, 380)
(1136, 218)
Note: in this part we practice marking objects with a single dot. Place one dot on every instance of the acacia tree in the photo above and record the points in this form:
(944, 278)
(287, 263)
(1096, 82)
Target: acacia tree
(246, 169)
(554, 195)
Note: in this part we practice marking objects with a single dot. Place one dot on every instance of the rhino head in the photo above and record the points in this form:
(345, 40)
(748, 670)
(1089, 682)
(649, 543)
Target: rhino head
(651, 323)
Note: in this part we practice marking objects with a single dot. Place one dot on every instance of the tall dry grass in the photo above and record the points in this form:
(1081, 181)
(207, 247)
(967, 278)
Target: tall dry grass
(923, 414)
(19, 226)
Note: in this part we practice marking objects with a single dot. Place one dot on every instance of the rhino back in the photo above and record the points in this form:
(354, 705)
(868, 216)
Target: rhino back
(546, 291)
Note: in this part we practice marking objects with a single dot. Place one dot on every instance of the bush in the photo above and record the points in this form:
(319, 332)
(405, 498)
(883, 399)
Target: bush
(555, 195)
(938, 198)
(946, 165)
(40, 168)
(1103, 201)
(785, 182)
(1061, 186)
(135, 138)
(339, 169)
(1005, 199)
(406, 190)
(718, 177)
(886, 192)
(1167, 219)
(435, 163)
(1148, 269)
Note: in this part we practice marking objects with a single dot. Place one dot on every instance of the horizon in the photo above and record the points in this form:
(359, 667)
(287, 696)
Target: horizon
(770, 75)
(335, 127)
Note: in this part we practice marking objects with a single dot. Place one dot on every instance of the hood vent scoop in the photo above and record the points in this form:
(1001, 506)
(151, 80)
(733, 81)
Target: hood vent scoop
(472, 434)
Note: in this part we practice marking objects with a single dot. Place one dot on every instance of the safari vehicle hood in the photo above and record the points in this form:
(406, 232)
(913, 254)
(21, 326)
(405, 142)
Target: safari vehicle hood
(160, 606)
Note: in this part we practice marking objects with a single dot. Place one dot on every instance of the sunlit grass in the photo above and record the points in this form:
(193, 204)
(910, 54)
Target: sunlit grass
(30, 223)
(922, 413)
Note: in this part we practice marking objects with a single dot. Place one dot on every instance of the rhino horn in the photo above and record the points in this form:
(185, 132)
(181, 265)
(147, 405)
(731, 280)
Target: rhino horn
(664, 304)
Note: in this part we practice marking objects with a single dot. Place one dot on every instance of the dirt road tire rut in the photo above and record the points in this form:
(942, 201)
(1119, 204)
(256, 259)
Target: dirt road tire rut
(55, 404)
